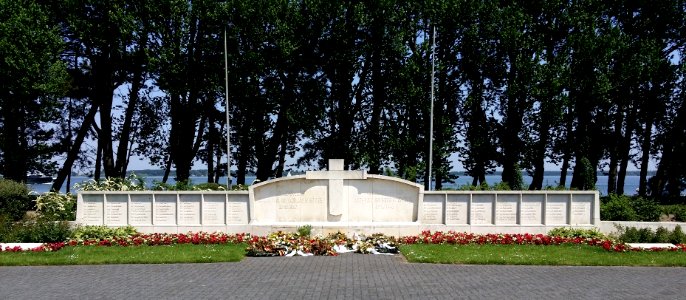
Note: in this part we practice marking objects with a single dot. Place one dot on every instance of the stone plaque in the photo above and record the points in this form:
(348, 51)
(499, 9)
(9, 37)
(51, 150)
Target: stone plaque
(393, 201)
(482, 209)
(359, 193)
(556, 209)
(314, 203)
(213, 209)
(581, 209)
(116, 209)
(457, 210)
(432, 210)
(237, 210)
(506, 209)
(92, 209)
(189, 209)
(140, 209)
(165, 209)
(531, 209)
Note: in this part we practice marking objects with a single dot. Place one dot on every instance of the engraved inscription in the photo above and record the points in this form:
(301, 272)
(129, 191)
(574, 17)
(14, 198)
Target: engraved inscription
(456, 210)
(531, 212)
(165, 210)
(581, 212)
(556, 210)
(116, 209)
(92, 210)
(506, 211)
(189, 210)
(213, 210)
(237, 212)
(432, 211)
(482, 212)
(140, 210)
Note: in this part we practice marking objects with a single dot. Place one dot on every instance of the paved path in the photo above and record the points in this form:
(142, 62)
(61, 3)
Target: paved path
(350, 276)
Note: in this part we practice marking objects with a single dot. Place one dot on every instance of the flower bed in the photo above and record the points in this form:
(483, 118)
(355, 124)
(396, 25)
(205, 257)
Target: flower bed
(463, 238)
(289, 244)
(47, 247)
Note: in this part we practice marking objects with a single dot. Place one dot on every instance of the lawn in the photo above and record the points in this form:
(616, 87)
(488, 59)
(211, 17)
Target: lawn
(94, 255)
(561, 255)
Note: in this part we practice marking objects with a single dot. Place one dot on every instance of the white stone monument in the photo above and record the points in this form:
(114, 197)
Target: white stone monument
(340, 200)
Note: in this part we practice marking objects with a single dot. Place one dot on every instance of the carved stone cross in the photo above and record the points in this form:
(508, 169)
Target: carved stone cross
(336, 174)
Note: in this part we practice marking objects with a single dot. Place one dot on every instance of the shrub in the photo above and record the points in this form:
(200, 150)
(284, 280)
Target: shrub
(617, 208)
(14, 199)
(576, 232)
(209, 187)
(56, 206)
(646, 209)
(130, 183)
(39, 230)
(102, 232)
(678, 236)
(662, 235)
(305, 230)
(680, 215)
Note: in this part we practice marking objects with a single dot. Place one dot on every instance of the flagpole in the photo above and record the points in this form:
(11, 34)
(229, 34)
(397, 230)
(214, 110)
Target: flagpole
(228, 118)
(431, 120)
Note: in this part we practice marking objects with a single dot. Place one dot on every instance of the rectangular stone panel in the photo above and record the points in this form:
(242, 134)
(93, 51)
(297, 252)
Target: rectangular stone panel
(482, 209)
(213, 209)
(582, 209)
(360, 200)
(457, 210)
(237, 209)
(140, 209)
(393, 201)
(116, 209)
(432, 209)
(556, 209)
(92, 210)
(531, 212)
(165, 209)
(189, 209)
(506, 209)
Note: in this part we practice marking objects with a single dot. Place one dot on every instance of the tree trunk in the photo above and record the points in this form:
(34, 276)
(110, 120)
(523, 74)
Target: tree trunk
(75, 149)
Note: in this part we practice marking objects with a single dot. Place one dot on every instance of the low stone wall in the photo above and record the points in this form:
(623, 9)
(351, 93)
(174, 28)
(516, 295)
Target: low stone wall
(609, 227)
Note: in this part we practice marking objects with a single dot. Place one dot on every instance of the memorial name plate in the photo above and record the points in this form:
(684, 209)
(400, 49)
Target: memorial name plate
(432, 212)
(116, 209)
(93, 209)
(531, 210)
(237, 210)
(556, 209)
(581, 209)
(506, 209)
(140, 210)
(457, 209)
(165, 209)
(482, 209)
(189, 209)
(213, 210)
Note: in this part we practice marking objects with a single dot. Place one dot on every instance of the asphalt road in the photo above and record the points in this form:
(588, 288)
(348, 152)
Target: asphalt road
(349, 276)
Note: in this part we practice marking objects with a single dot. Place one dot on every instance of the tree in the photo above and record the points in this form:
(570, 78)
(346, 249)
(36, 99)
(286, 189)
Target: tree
(32, 78)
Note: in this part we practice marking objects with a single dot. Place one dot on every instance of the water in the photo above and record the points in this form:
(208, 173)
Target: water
(630, 187)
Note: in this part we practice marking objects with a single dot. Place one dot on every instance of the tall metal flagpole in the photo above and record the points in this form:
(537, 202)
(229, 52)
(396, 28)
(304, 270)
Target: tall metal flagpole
(431, 121)
(228, 118)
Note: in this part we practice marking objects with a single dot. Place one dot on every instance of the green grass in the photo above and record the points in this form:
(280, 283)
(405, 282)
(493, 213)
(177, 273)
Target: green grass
(563, 255)
(94, 255)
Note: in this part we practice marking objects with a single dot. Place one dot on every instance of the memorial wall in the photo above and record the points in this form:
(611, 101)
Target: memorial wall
(338, 200)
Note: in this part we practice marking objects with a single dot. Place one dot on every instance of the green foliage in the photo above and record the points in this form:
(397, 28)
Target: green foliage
(500, 186)
(38, 230)
(130, 183)
(56, 206)
(677, 210)
(305, 230)
(646, 235)
(678, 236)
(14, 199)
(102, 232)
(625, 208)
(576, 232)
